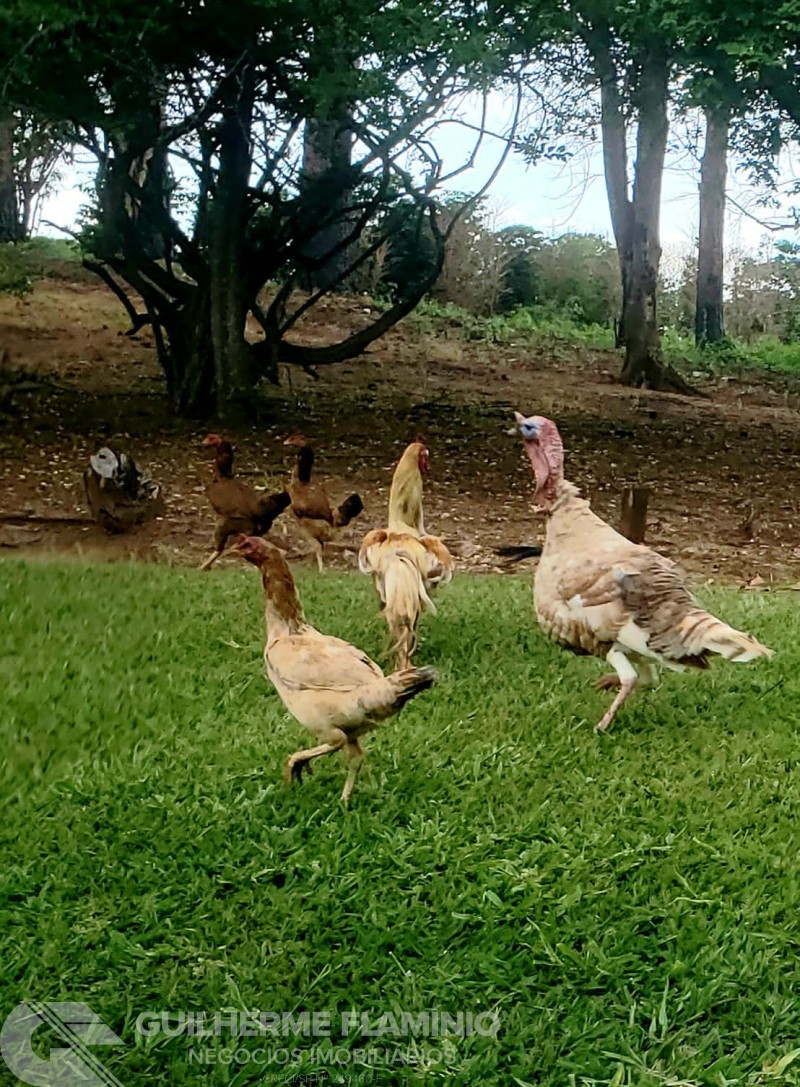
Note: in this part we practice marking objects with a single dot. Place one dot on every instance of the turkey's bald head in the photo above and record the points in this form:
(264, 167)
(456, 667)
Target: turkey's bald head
(546, 454)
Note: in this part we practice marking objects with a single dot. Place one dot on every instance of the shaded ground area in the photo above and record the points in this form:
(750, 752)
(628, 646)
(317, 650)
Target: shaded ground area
(724, 470)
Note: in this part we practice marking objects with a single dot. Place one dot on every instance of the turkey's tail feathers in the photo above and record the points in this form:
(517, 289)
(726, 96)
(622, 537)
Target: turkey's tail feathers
(514, 553)
(348, 511)
(701, 633)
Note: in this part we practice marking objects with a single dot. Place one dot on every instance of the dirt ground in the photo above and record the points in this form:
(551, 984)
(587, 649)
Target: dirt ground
(724, 471)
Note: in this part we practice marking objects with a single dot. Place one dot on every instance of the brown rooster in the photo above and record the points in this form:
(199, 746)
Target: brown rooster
(311, 506)
(331, 687)
(596, 592)
(405, 563)
(239, 507)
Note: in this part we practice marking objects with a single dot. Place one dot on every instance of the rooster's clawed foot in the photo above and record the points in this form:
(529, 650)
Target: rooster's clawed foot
(294, 770)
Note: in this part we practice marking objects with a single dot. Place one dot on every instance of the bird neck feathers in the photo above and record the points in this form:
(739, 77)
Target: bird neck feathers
(282, 607)
(223, 464)
(305, 462)
(405, 497)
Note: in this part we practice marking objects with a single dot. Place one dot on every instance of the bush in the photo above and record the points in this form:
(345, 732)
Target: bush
(23, 263)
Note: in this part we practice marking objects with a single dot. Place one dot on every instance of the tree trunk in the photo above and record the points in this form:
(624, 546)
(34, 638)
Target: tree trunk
(233, 370)
(615, 167)
(187, 357)
(643, 364)
(10, 223)
(635, 220)
(327, 150)
(150, 171)
(708, 326)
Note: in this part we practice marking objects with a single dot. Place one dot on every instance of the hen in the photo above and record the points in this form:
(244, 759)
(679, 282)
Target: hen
(311, 505)
(331, 687)
(239, 507)
(405, 563)
(596, 592)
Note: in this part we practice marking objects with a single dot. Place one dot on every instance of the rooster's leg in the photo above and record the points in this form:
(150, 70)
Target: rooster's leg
(354, 756)
(297, 763)
(318, 554)
(627, 679)
(212, 558)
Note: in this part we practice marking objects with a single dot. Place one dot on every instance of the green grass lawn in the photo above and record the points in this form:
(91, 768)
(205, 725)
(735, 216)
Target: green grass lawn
(627, 904)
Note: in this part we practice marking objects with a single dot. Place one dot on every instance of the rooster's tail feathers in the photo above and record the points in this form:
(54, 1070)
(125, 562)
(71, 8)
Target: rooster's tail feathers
(348, 511)
(403, 592)
(409, 682)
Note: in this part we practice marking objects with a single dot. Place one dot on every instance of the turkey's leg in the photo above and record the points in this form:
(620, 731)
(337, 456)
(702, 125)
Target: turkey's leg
(627, 679)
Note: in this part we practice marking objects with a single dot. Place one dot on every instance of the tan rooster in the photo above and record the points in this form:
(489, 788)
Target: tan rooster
(405, 563)
(331, 687)
(315, 517)
(596, 592)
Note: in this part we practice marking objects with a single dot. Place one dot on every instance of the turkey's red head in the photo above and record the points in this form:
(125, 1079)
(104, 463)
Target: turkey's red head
(214, 439)
(546, 454)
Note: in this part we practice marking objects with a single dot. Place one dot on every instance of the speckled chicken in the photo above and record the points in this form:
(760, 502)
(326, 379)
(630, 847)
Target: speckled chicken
(596, 592)
(331, 687)
(406, 564)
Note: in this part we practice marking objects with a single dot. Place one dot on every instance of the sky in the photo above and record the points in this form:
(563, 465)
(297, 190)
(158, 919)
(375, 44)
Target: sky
(555, 198)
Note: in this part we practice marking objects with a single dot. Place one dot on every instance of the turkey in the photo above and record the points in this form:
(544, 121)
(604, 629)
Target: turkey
(596, 592)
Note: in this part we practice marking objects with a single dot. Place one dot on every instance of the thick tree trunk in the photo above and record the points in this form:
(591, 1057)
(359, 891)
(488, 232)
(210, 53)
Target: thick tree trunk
(708, 324)
(327, 150)
(615, 167)
(150, 171)
(233, 370)
(10, 222)
(635, 220)
(187, 357)
(642, 335)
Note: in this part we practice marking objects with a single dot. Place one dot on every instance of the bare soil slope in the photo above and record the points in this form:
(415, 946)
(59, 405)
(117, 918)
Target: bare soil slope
(725, 470)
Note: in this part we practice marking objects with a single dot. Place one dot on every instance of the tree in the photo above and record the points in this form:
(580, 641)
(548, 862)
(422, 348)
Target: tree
(708, 323)
(625, 54)
(30, 150)
(577, 275)
(633, 62)
(522, 245)
(236, 209)
(327, 155)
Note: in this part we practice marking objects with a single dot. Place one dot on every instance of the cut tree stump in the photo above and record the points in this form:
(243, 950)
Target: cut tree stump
(633, 522)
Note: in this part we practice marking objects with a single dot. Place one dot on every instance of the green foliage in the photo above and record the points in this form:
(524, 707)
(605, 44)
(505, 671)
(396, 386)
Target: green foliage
(521, 277)
(525, 324)
(23, 263)
(578, 276)
(625, 903)
(731, 355)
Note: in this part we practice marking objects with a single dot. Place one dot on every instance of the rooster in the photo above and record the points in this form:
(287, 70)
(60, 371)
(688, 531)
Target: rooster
(405, 563)
(311, 505)
(331, 687)
(596, 592)
(239, 507)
